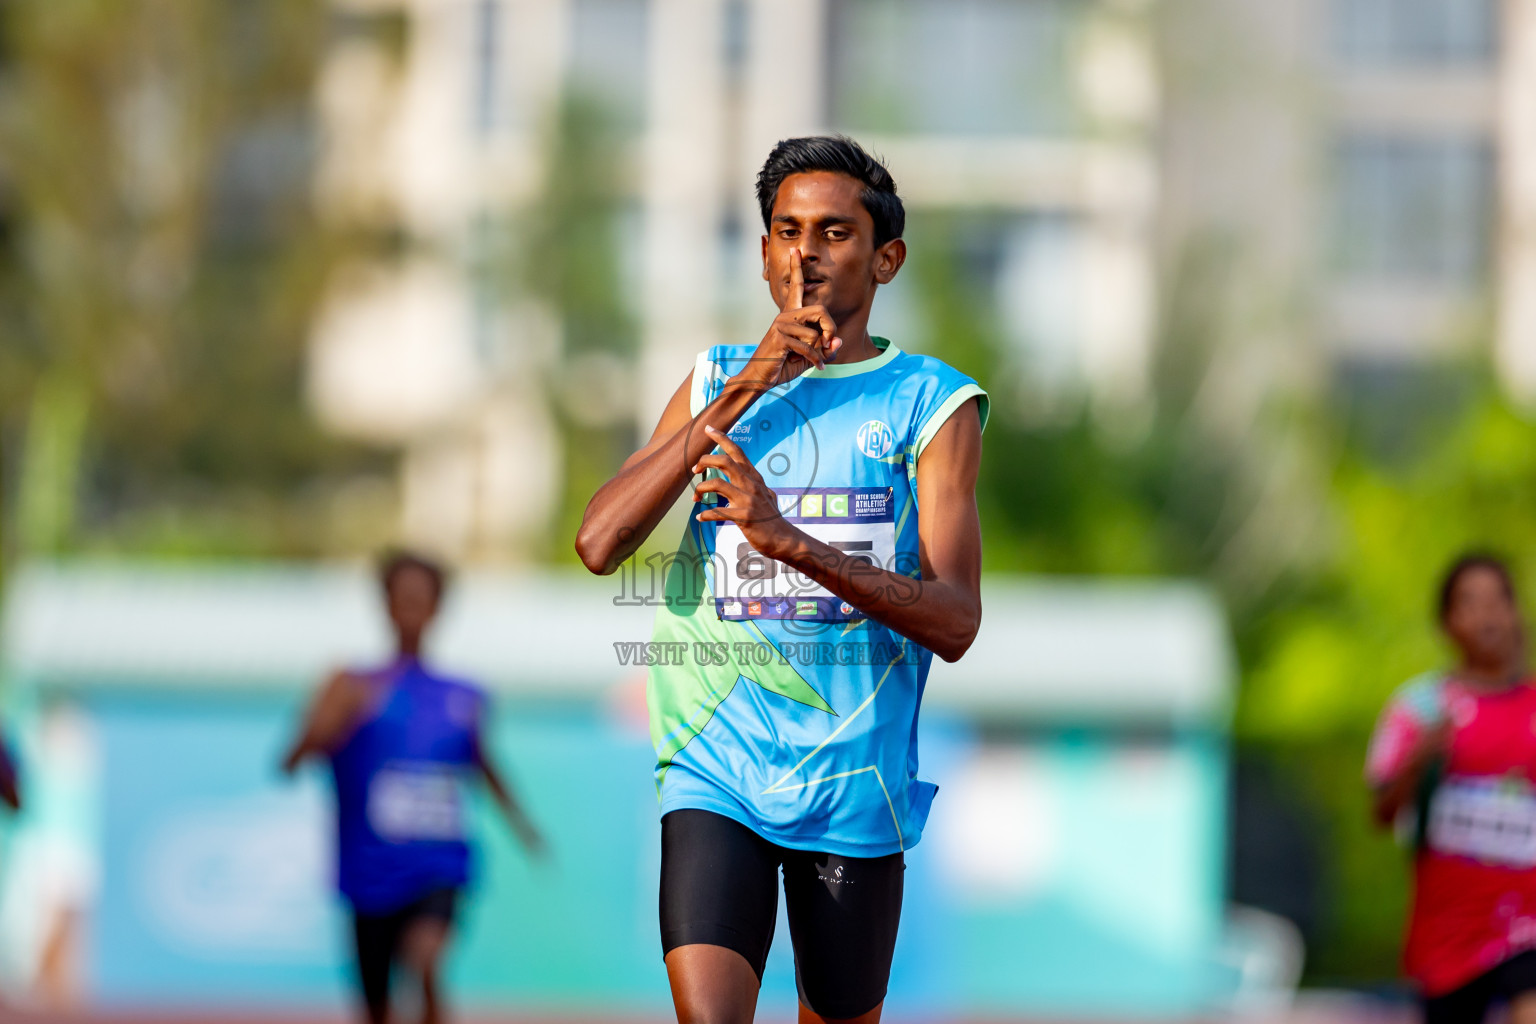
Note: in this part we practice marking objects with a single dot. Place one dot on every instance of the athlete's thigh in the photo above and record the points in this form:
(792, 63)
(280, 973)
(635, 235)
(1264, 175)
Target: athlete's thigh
(719, 886)
(843, 917)
(426, 933)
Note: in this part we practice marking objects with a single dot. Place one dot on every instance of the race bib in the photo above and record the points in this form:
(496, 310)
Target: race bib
(1492, 820)
(858, 520)
(417, 801)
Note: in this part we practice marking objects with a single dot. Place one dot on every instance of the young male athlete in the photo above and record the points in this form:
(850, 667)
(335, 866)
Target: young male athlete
(833, 547)
(1452, 758)
(401, 740)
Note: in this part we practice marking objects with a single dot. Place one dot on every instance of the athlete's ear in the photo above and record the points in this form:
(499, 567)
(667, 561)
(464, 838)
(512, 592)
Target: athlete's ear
(765, 258)
(888, 260)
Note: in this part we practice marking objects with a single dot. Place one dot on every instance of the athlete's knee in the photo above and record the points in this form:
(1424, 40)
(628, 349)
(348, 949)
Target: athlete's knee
(711, 985)
(722, 1014)
(810, 1016)
(423, 948)
(1522, 1008)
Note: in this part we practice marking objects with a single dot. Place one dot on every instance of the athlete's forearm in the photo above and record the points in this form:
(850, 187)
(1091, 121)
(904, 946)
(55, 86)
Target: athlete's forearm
(624, 511)
(296, 755)
(1400, 790)
(511, 809)
(1392, 796)
(941, 616)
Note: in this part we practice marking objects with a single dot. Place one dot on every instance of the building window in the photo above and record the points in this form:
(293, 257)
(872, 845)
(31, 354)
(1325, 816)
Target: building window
(1413, 209)
(962, 67)
(1399, 33)
(608, 58)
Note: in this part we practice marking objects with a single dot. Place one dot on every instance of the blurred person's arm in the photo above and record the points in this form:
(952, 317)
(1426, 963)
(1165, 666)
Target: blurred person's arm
(329, 720)
(511, 809)
(1404, 749)
(1400, 789)
(10, 791)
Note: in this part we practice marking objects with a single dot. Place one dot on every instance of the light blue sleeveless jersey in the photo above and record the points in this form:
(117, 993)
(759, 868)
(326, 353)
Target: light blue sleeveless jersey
(776, 703)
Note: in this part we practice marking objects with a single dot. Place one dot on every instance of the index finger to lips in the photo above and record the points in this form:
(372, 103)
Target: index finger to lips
(796, 297)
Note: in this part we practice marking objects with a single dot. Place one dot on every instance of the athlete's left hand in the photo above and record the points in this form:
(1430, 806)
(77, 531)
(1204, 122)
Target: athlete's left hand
(753, 505)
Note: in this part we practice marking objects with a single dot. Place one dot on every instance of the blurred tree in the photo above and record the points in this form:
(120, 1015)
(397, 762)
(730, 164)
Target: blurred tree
(158, 266)
(566, 250)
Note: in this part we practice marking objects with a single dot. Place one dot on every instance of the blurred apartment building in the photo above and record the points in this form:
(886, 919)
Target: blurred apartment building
(1033, 120)
(1366, 170)
(1349, 184)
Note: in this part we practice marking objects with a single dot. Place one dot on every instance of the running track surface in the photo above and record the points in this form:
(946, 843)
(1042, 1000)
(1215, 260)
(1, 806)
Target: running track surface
(1377, 1016)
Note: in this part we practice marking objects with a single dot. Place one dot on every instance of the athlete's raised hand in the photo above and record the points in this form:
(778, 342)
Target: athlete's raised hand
(800, 337)
(753, 506)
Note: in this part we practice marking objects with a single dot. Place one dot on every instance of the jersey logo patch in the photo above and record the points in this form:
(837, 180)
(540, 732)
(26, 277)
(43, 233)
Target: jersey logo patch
(876, 439)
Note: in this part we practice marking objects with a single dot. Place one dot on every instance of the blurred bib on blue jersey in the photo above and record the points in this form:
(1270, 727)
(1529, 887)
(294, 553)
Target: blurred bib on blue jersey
(413, 801)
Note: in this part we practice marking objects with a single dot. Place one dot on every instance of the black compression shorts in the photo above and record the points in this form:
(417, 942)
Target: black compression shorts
(378, 943)
(1470, 1003)
(719, 887)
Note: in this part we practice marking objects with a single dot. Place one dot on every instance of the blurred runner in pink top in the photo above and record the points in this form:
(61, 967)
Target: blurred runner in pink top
(1451, 765)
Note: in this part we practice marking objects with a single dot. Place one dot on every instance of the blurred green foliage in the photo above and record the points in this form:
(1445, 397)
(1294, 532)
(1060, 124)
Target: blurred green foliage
(159, 266)
(567, 252)
(1321, 663)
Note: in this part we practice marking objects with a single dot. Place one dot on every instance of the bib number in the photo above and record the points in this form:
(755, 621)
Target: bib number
(750, 585)
(1488, 820)
(416, 802)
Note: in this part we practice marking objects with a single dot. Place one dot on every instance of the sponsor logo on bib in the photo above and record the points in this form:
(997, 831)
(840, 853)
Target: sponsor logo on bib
(876, 439)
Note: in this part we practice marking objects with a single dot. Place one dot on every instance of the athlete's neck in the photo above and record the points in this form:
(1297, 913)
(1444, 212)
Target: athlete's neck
(853, 328)
(857, 352)
(1493, 677)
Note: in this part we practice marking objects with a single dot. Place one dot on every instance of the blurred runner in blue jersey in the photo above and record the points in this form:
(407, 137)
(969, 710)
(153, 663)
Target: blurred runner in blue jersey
(833, 548)
(402, 740)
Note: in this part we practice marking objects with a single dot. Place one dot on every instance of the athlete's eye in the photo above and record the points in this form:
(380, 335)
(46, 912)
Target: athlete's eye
(788, 232)
(836, 235)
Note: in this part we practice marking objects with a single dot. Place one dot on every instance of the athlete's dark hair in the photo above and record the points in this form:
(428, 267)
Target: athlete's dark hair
(841, 155)
(392, 563)
(1465, 564)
